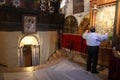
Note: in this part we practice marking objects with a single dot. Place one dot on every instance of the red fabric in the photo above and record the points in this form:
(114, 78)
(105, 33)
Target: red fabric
(74, 42)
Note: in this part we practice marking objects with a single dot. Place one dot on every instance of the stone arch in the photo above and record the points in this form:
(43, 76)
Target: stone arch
(28, 50)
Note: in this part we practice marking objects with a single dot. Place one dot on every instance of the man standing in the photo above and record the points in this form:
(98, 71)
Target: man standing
(93, 42)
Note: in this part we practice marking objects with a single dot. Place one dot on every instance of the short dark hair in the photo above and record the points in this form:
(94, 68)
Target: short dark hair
(92, 29)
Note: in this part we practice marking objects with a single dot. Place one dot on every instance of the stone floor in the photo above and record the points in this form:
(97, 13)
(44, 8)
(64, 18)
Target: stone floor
(80, 59)
(72, 68)
(65, 70)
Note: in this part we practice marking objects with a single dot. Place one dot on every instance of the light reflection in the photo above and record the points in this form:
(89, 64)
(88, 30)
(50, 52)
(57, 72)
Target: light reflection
(29, 40)
(64, 3)
(30, 69)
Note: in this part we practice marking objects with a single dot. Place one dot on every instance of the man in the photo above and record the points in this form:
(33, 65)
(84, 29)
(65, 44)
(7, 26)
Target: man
(93, 42)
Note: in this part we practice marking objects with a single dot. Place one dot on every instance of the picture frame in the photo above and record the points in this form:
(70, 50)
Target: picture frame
(29, 24)
(78, 6)
(2, 2)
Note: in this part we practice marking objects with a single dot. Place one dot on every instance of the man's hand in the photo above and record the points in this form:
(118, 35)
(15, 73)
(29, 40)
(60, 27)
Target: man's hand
(86, 31)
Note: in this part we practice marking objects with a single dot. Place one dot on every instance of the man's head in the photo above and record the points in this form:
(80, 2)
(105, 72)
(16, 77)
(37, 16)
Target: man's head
(92, 29)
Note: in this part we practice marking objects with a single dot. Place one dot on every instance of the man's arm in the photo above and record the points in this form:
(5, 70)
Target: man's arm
(84, 34)
(105, 36)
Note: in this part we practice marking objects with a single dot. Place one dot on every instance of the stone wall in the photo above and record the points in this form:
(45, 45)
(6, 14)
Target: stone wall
(9, 46)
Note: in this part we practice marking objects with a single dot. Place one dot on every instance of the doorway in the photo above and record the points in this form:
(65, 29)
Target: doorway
(29, 51)
(27, 55)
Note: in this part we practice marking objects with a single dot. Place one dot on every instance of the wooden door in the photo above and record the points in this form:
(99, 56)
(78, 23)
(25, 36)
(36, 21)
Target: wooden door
(27, 55)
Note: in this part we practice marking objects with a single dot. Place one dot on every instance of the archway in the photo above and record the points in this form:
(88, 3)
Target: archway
(29, 51)
(70, 25)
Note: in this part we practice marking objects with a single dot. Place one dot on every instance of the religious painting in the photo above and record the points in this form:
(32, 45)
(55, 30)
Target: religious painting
(70, 25)
(29, 24)
(105, 20)
(84, 24)
(78, 6)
